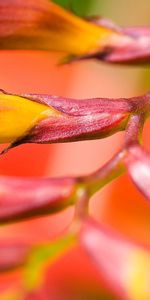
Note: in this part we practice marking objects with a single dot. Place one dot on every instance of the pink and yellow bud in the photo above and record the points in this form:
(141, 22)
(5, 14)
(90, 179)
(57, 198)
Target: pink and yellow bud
(50, 119)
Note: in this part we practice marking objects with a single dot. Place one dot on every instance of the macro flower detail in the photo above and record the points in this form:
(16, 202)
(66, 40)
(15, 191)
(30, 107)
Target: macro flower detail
(121, 256)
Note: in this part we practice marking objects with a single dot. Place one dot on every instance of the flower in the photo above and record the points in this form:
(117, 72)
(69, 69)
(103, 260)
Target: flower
(49, 119)
(43, 25)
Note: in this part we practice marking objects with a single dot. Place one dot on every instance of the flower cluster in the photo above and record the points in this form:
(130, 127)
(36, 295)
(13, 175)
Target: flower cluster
(32, 118)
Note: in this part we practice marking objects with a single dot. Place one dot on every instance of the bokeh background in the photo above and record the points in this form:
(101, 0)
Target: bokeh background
(120, 205)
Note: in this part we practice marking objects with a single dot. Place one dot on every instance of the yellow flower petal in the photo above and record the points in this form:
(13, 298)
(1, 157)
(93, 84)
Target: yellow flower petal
(42, 25)
(74, 35)
(18, 115)
(138, 277)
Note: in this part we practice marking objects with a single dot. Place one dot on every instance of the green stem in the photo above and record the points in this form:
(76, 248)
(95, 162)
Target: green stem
(111, 170)
(42, 256)
(133, 133)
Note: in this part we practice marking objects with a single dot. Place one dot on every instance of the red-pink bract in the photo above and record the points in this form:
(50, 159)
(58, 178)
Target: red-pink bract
(24, 198)
(138, 165)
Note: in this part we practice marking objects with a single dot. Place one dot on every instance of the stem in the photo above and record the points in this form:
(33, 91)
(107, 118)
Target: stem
(133, 133)
(81, 209)
(111, 170)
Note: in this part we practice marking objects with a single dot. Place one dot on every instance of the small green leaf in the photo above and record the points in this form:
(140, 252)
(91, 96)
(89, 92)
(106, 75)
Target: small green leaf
(41, 257)
(80, 8)
(64, 3)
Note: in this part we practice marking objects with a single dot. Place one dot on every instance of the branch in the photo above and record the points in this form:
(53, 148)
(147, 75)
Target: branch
(133, 133)
(136, 49)
(104, 175)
